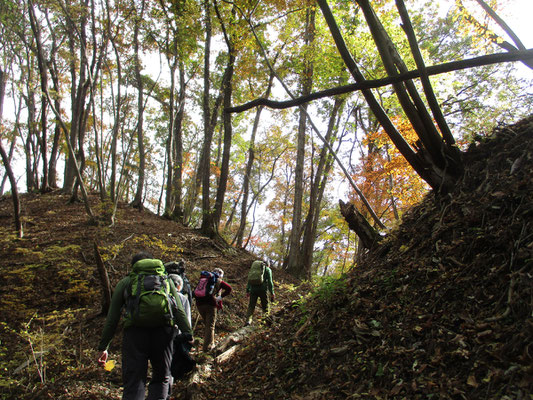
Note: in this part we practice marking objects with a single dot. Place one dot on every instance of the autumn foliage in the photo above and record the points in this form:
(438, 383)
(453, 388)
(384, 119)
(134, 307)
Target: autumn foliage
(385, 177)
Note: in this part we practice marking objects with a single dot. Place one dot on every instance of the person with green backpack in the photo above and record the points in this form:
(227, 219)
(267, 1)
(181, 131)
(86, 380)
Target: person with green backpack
(259, 285)
(148, 298)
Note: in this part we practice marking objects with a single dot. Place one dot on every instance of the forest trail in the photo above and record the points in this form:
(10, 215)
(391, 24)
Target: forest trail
(441, 309)
(51, 298)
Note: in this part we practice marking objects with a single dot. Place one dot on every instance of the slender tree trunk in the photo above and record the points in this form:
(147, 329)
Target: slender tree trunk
(53, 70)
(77, 106)
(177, 185)
(227, 87)
(207, 217)
(138, 200)
(7, 164)
(170, 198)
(294, 264)
(98, 144)
(246, 180)
(31, 182)
(317, 191)
(9, 159)
(54, 152)
(248, 171)
(391, 187)
(44, 85)
(117, 122)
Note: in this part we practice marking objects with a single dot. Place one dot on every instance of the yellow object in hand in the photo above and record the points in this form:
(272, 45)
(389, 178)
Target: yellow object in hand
(109, 365)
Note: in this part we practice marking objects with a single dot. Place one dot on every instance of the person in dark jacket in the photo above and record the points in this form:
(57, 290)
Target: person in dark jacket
(260, 291)
(143, 344)
(207, 308)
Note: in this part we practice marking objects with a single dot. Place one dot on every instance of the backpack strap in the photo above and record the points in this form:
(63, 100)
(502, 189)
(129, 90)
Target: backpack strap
(170, 303)
(140, 283)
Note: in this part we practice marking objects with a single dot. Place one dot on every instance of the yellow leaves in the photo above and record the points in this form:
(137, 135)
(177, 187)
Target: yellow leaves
(109, 365)
(153, 242)
(110, 252)
(471, 25)
(471, 381)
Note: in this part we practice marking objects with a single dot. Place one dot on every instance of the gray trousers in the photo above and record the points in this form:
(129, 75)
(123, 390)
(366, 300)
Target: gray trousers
(139, 346)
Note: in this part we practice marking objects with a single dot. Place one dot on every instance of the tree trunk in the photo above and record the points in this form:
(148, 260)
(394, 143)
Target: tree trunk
(31, 180)
(444, 161)
(227, 88)
(104, 279)
(77, 96)
(169, 197)
(54, 75)
(294, 264)
(54, 152)
(317, 191)
(7, 164)
(403, 147)
(177, 186)
(207, 217)
(43, 73)
(9, 159)
(248, 172)
(117, 122)
(356, 221)
(138, 200)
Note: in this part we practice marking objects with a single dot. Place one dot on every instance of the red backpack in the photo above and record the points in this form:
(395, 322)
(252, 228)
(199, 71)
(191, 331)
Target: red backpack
(206, 285)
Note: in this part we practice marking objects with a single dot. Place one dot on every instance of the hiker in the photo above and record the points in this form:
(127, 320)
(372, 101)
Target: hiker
(259, 285)
(178, 283)
(178, 268)
(182, 363)
(209, 300)
(148, 333)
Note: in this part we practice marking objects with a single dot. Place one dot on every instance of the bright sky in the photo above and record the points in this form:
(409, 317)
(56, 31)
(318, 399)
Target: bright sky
(521, 16)
(517, 14)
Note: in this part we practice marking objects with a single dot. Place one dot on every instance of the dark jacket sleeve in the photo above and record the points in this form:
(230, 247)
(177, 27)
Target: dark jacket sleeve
(113, 315)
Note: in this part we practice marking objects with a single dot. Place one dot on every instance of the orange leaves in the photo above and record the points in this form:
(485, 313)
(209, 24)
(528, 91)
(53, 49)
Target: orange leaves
(385, 177)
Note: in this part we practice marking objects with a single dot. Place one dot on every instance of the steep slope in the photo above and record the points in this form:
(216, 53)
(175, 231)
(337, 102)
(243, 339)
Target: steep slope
(51, 296)
(442, 309)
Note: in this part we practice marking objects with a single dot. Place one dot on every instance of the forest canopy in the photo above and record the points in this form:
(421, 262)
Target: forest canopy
(131, 99)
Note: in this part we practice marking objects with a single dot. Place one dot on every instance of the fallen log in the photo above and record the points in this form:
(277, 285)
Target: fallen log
(358, 223)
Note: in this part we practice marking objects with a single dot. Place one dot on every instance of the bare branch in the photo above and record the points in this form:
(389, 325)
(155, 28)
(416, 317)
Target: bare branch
(489, 59)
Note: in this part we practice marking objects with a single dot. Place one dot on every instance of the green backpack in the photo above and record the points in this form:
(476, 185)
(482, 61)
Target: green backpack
(256, 273)
(148, 299)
